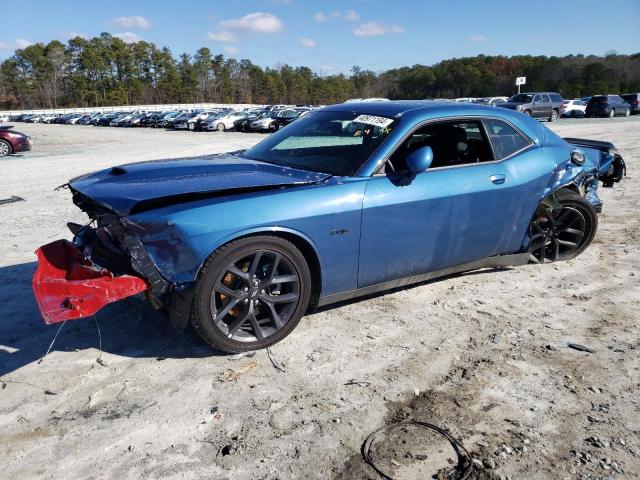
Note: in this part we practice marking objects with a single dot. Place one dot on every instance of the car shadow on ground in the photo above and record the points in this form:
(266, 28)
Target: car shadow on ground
(130, 328)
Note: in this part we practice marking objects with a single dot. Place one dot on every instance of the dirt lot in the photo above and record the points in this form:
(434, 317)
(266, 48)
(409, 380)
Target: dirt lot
(484, 355)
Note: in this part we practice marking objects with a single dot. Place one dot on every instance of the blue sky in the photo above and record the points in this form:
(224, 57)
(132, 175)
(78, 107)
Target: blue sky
(331, 36)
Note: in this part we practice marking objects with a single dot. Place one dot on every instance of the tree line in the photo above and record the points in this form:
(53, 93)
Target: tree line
(105, 70)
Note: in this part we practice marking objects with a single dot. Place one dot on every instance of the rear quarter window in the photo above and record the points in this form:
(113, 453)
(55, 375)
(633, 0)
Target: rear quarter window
(555, 97)
(505, 139)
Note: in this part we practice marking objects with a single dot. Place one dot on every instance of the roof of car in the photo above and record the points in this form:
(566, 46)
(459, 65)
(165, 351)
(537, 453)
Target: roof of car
(395, 107)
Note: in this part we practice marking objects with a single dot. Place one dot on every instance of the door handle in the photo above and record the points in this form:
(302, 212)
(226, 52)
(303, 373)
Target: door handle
(498, 179)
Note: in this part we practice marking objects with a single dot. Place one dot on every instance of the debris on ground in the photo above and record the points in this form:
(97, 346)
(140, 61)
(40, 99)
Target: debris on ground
(235, 374)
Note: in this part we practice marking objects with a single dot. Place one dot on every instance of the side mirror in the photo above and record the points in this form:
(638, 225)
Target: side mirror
(420, 160)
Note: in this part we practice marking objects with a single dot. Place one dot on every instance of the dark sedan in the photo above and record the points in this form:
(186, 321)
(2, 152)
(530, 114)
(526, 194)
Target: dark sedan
(285, 117)
(607, 106)
(13, 142)
(632, 99)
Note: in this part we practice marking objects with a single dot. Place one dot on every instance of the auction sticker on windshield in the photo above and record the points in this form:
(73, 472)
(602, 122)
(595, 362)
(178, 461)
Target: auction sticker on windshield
(373, 120)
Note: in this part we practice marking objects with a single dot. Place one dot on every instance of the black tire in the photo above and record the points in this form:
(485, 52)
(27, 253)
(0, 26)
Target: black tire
(216, 272)
(220, 127)
(5, 148)
(527, 113)
(554, 116)
(612, 113)
(627, 112)
(564, 232)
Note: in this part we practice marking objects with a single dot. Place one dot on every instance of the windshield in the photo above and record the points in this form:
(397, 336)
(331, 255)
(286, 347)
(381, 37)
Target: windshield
(521, 98)
(338, 143)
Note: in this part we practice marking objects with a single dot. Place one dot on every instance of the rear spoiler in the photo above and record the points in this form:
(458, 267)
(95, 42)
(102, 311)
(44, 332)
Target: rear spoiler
(597, 144)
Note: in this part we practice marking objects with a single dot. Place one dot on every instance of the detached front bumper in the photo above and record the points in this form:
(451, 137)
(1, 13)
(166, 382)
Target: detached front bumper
(68, 285)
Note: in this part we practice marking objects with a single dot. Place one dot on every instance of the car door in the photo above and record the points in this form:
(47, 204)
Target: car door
(445, 216)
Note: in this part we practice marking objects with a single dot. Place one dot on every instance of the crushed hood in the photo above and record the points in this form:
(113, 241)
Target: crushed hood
(147, 185)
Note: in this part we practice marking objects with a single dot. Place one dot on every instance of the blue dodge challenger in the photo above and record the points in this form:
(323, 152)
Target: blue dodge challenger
(350, 200)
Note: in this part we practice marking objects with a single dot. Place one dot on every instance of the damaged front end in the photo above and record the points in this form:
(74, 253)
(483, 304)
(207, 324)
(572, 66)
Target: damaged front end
(102, 265)
(67, 285)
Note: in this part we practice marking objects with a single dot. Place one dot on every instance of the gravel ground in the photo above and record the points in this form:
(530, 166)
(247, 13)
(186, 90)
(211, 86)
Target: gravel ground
(484, 355)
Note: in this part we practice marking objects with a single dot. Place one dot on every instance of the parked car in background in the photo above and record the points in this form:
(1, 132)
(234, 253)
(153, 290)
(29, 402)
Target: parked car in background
(264, 121)
(243, 124)
(607, 106)
(182, 122)
(13, 142)
(105, 120)
(223, 121)
(633, 99)
(165, 120)
(195, 123)
(573, 108)
(537, 105)
(491, 101)
(285, 117)
(4, 118)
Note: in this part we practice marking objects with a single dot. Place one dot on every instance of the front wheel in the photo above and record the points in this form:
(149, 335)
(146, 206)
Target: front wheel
(562, 232)
(251, 293)
(5, 148)
(220, 127)
(527, 113)
(627, 112)
(612, 113)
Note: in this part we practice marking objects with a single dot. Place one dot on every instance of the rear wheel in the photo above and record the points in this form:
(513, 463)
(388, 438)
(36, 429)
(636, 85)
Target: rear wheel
(627, 112)
(554, 116)
(563, 232)
(5, 148)
(612, 113)
(251, 293)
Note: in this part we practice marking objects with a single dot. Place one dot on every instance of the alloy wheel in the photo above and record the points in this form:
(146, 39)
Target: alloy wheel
(4, 149)
(557, 235)
(255, 295)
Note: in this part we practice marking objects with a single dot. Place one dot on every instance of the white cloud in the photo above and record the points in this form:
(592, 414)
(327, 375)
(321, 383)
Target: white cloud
(477, 38)
(223, 36)
(128, 37)
(258, 22)
(70, 35)
(231, 49)
(307, 42)
(321, 17)
(351, 15)
(22, 43)
(16, 44)
(135, 21)
(373, 29)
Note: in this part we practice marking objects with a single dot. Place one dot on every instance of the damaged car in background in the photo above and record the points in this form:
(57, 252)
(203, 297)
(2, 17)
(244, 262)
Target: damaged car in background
(350, 200)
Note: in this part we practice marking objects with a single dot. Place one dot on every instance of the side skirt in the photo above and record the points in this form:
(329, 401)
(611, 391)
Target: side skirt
(490, 262)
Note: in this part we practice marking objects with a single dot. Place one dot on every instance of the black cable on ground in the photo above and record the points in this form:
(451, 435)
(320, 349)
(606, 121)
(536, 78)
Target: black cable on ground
(464, 467)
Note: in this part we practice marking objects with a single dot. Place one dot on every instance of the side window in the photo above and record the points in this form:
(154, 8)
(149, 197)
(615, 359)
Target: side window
(545, 98)
(537, 99)
(505, 139)
(453, 143)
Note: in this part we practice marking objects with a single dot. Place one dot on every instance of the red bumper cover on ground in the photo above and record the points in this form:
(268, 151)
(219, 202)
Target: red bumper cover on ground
(67, 285)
